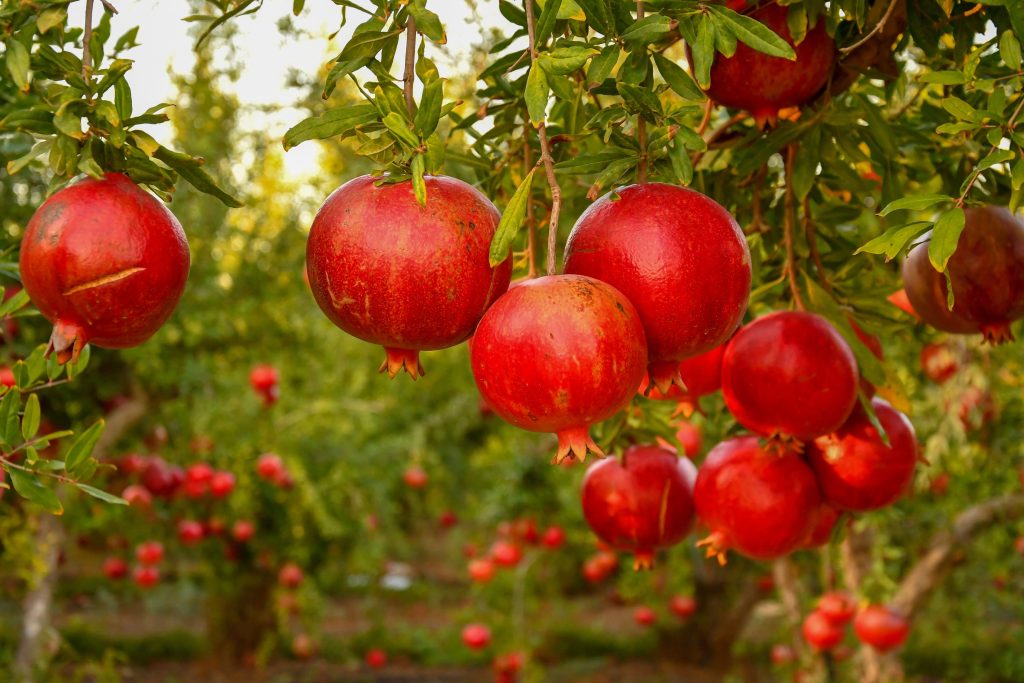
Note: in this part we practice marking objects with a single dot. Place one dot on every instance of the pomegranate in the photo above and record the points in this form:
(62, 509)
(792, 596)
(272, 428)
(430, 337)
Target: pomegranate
(146, 576)
(415, 477)
(214, 526)
(553, 538)
(506, 554)
(149, 553)
(782, 654)
(303, 646)
(856, 470)
(1018, 545)
(115, 568)
(138, 496)
(761, 503)
(837, 607)
(7, 377)
(557, 354)
(221, 484)
(679, 257)
(789, 374)
(290, 575)
(940, 484)
(881, 627)
(644, 616)
(378, 263)
(900, 300)
(270, 467)
(683, 606)
(481, 570)
(762, 84)
(600, 566)
(243, 531)
(688, 434)
(642, 503)
(476, 636)
(824, 524)
(820, 632)
(448, 519)
(506, 666)
(938, 362)
(702, 375)
(987, 272)
(190, 532)
(376, 659)
(264, 381)
(105, 262)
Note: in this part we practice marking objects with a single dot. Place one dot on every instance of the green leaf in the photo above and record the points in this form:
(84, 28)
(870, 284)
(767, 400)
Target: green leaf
(511, 220)
(123, 99)
(83, 446)
(30, 420)
(17, 302)
(427, 23)
(191, 172)
(943, 77)
(366, 45)
(546, 20)
(945, 237)
(397, 125)
(601, 65)
(1017, 175)
(648, 30)
(754, 33)
(893, 240)
(641, 101)
(677, 79)
(50, 18)
(18, 59)
(915, 203)
(586, 164)
(101, 494)
(599, 15)
(429, 112)
(996, 156)
(961, 109)
(340, 121)
(703, 50)
(1009, 50)
(682, 167)
(30, 488)
(805, 165)
(1016, 12)
(564, 60)
(419, 186)
(536, 94)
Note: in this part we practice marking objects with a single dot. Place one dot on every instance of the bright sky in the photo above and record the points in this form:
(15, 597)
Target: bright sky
(266, 56)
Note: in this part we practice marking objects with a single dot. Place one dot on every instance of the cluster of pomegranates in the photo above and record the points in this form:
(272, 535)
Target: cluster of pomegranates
(877, 626)
(264, 380)
(508, 550)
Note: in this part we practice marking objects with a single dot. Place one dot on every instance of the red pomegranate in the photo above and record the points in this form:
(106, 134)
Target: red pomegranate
(702, 376)
(146, 576)
(303, 646)
(481, 570)
(557, 354)
(149, 553)
(938, 362)
(270, 467)
(7, 377)
(115, 568)
(825, 520)
(411, 278)
(476, 636)
(264, 381)
(553, 538)
(789, 374)
(782, 654)
(138, 496)
(837, 607)
(506, 554)
(761, 503)
(762, 84)
(900, 300)
(290, 575)
(820, 632)
(105, 262)
(678, 256)
(987, 272)
(190, 532)
(642, 503)
(688, 434)
(683, 606)
(600, 566)
(644, 616)
(243, 531)
(221, 484)
(376, 659)
(856, 470)
(881, 627)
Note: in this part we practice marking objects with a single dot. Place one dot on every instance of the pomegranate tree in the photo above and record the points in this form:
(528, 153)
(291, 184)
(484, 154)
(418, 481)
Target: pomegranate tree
(557, 354)
(761, 503)
(408, 277)
(987, 272)
(105, 262)
(642, 503)
(789, 374)
(678, 256)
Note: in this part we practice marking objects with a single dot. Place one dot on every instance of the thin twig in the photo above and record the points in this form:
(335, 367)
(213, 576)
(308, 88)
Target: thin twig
(545, 155)
(410, 64)
(86, 39)
(716, 134)
(709, 107)
(787, 230)
(878, 27)
(531, 222)
(1009, 128)
(641, 124)
(812, 246)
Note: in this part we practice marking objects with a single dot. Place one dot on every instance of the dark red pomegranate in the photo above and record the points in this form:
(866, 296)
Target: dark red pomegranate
(137, 496)
(782, 654)
(789, 374)
(290, 575)
(221, 484)
(476, 636)
(557, 354)
(701, 375)
(243, 531)
(190, 532)
(264, 380)
(411, 278)
(824, 524)
(642, 503)
(376, 659)
(644, 616)
(987, 272)
(683, 606)
(838, 607)
(678, 256)
(600, 566)
(115, 568)
(760, 503)
(146, 576)
(854, 467)
(149, 553)
(881, 627)
(938, 362)
(105, 262)
(553, 538)
(820, 632)
(762, 84)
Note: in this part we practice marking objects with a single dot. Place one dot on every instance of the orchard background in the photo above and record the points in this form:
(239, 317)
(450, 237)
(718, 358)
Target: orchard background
(317, 521)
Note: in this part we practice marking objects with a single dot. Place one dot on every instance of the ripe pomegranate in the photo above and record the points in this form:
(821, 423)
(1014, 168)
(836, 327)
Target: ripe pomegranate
(481, 570)
(688, 434)
(506, 554)
(303, 646)
(679, 257)
(221, 484)
(642, 503)
(162, 479)
(856, 470)
(702, 376)
(600, 566)
(644, 616)
(683, 606)
(150, 553)
(243, 530)
(146, 576)
(7, 377)
(820, 632)
(270, 467)
(132, 463)
(290, 575)
(766, 583)
(448, 519)
(938, 362)
(940, 484)
(825, 519)
(105, 262)
(214, 526)
(900, 300)
(837, 607)
(378, 261)
(761, 503)
(138, 496)
(553, 538)
(762, 84)
(881, 627)
(115, 568)
(506, 666)
(789, 374)
(190, 532)
(376, 659)
(197, 480)
(526, 531)
(782, 654)
(557, 354)
(264, 381)
(987, 272)
(476, 636)
(415, 477)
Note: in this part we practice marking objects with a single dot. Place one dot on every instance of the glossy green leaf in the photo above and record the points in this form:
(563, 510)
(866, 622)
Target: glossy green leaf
(83, 446)
(753, 33)
(30, 488)
(419, 185)
(536, 94)
(677, 79)
(945, 237)
(894, 240)
(511, 220)
(915, 203)
(333, 122)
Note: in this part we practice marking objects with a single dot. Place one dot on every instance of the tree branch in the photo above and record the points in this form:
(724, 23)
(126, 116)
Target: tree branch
(531, 221)
(410, 64)
(787, 230)
(877, 27)
(86, 39)
(641, 124)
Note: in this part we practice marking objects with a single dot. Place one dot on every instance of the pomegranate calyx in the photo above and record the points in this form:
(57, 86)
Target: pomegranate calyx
(643, 560)
(574, 444)
(717, 547)
(402, 359)
(997, 333)
(67, 341)
(780, 443)
(663, 375)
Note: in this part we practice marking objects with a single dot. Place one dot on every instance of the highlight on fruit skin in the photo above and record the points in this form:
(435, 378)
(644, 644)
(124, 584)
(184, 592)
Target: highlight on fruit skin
(558, 354)
(105, 262)
(408, 277)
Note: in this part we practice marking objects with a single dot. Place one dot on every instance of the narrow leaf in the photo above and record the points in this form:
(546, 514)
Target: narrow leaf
(511, 220)
(945, 237)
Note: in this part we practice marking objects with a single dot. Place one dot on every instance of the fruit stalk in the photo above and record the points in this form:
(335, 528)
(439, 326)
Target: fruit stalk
(531, 221)
(545, 156)
(787, 228)
(410, 64)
